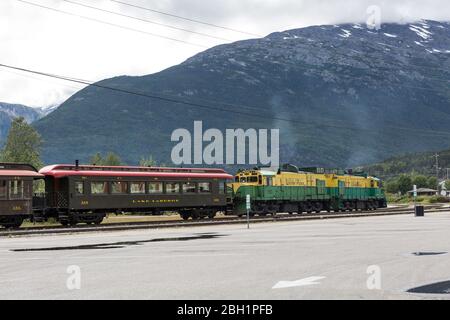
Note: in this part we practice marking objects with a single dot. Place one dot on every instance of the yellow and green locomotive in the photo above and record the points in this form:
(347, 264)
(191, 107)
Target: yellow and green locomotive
(291, 190)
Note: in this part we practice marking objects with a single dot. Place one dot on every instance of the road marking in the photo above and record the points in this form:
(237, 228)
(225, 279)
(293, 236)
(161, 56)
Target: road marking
(298, 283)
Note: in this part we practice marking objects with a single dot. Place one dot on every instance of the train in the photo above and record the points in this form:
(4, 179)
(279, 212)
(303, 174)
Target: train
(305, 190)
(77, 193)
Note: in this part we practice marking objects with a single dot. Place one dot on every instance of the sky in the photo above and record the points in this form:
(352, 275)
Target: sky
(54, 42)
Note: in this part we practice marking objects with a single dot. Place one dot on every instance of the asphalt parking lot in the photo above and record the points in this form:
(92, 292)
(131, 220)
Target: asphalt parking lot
(351, 258)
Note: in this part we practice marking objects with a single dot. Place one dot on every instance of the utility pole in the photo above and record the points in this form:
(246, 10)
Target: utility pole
(437, 165)
(437, 169)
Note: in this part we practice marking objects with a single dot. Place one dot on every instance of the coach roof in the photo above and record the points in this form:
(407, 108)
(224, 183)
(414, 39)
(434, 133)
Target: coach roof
(18, 170)
(59, 171)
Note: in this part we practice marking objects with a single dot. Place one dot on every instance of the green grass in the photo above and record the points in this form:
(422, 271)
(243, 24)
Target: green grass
(404, 199)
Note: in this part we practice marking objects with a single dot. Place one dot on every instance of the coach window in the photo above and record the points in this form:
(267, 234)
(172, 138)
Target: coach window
(204, 187)
(172, 187)
(137, 187)
(2, 189)
(99, 187)
(189, 187)
(16, 189)
(119, 187)
(79, 188)
(222, 187)
(155, 187)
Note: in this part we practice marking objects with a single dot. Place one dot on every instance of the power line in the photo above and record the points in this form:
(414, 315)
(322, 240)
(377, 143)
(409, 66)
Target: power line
(111, 24)
(187, 19)
(186, 42)
(145, 20)
(40, 79)
(205, 106)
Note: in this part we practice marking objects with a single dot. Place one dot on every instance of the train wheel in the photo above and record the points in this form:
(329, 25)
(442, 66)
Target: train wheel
(64, 223)
(195, 216)
(318, 207)
(15, 224)
(212, 215)
(98, 221)
(185, 216)
(73, 221)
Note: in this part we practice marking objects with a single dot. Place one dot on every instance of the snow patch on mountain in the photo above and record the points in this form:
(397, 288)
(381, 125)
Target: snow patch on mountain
(345, 34)
(421, 32)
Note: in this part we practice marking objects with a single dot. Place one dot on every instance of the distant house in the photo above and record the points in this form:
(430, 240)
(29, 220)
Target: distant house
(424, 192)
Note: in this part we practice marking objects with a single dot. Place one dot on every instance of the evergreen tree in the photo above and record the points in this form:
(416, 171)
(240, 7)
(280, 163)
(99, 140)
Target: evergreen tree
(96, 159)
(111, 159)
(148, 162)
(23, 144)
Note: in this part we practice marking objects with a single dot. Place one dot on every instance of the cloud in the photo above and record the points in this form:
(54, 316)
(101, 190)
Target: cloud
(53, 42)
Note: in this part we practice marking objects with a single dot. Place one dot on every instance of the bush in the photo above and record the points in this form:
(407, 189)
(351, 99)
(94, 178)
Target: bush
(439, 199)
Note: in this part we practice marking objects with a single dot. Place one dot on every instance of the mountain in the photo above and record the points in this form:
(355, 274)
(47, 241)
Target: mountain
(420, 162)
(351, 96)
(10, 111)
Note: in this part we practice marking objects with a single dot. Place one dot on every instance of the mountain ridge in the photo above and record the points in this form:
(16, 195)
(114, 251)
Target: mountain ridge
(9, 111)
(336, 81)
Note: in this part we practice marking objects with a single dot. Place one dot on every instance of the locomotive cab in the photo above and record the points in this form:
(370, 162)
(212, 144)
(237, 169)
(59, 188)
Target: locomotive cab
(253, 178)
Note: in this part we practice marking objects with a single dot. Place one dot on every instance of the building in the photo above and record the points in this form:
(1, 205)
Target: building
(424, 192)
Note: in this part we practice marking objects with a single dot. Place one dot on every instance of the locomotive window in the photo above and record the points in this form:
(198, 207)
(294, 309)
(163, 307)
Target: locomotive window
(204, 187)
(172, 188)
(99, 187)
(79, 187)
(137, 187)
(2, 189)
(189, 187)
(16, 189)
(155, 188)
(119, 187)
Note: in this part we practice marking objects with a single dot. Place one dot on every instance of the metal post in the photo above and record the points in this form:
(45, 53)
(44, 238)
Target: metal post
(415, 197)
(248, 210)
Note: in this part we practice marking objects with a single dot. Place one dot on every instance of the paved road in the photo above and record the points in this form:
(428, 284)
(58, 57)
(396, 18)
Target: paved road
(231, 262)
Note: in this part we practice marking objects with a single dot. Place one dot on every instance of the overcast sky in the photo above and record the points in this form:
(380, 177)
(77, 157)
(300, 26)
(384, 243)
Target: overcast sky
(53, 42)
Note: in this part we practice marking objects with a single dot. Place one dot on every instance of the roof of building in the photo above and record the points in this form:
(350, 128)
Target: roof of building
(423, 190)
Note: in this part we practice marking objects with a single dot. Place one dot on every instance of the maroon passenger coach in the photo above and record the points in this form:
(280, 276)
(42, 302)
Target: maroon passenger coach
(16, 193)
(81, 193)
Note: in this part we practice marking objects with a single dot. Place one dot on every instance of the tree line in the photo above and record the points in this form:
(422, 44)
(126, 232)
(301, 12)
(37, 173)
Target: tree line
(405, 182)
(24, 143)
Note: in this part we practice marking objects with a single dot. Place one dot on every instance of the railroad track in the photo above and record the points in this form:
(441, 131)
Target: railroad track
(43, 230)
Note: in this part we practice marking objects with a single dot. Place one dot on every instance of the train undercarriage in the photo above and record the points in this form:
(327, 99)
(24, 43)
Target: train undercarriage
(263, 208)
